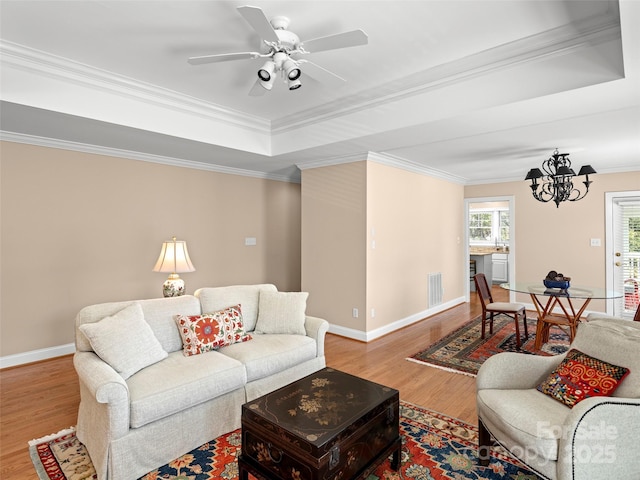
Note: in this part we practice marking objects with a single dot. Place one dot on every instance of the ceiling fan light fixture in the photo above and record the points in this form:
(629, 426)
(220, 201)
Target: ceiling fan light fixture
(294, 84)
(265, 74)
(268, 85)
(280, 48)
(291, 69)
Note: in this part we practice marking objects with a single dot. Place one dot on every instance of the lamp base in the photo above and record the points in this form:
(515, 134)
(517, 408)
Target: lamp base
(173, 286)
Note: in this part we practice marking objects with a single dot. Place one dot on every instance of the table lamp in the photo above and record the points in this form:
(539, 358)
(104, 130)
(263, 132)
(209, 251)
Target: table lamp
(174, 259)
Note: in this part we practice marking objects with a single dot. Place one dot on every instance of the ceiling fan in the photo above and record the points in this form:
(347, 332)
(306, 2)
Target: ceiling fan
(282, 48)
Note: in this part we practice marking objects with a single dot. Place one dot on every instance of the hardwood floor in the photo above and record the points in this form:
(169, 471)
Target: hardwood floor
(42, 398)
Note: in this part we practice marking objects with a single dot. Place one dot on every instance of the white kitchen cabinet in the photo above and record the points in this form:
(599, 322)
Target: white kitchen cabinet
(500, 267)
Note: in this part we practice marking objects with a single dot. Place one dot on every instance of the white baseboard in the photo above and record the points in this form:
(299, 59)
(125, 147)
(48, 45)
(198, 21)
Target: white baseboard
(392, 327)
(36, 355)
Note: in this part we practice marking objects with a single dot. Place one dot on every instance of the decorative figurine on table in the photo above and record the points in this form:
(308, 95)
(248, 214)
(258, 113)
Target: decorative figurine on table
(557, 283)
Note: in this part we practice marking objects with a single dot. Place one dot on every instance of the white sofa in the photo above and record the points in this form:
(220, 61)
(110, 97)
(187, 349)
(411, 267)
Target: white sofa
(133, 425)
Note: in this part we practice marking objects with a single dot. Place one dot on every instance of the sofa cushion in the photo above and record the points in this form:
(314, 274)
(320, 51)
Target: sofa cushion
(178, 383)
(282, 312)
(160, 313)
(268, 354)
(213, 299)
(125, 341)
(210, 331)
(517, 414)
(615, 341)
(581, 376)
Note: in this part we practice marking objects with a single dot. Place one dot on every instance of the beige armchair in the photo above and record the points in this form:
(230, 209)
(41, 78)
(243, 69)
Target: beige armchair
(596, 439)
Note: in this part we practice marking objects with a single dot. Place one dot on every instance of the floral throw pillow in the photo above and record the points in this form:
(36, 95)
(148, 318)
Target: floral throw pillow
(581, 376)
(210, 331)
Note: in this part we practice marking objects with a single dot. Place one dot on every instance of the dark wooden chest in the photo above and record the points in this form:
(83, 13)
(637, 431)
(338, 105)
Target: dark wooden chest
(328, 425)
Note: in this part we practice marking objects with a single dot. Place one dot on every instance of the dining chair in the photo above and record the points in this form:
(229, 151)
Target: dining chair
(491, 308)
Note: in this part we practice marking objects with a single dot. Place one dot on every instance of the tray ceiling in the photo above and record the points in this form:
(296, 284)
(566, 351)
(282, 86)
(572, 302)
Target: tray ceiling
(471, 91)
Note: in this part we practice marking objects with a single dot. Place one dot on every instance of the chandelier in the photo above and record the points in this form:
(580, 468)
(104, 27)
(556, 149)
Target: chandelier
(556, 180)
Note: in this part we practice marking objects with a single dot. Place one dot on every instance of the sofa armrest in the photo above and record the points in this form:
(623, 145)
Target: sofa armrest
(316, 328)
(101, 384)
(515, 371)
(600, 440)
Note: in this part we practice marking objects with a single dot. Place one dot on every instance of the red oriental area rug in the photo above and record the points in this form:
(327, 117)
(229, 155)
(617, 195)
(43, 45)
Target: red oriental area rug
(463, 351)
(434, 447)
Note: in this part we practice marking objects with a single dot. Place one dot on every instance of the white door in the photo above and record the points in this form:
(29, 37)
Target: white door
(623, 251)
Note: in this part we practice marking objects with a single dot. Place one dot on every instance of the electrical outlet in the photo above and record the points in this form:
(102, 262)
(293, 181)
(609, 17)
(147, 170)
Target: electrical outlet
(355, 313)
(595, 242)
(373, 313)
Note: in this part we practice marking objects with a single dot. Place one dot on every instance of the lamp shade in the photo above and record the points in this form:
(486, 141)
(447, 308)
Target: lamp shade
(533, 174)
(564, 170)
(174, 258)
(586, 170)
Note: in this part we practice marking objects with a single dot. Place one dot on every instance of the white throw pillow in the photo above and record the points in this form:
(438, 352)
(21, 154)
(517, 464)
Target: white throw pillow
(282, 312)
(125, 341)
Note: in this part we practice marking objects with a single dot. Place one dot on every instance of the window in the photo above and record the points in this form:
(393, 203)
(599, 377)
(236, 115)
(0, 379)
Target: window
(503, 216)
(480, 226)
(489, 226)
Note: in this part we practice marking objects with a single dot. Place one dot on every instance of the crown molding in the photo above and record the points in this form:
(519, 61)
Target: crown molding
(327, 162)
(397, 162)
(384, 159)
(560, 41)
(140, 156)
(59, 68)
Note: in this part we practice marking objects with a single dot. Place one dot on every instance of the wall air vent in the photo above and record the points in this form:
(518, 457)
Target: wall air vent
(435, 289)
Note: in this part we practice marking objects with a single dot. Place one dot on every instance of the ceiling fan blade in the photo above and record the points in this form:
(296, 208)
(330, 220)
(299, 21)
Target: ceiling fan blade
(319, 73)
(258, 20)
(223, 57)
(339, 40)
(257, 90)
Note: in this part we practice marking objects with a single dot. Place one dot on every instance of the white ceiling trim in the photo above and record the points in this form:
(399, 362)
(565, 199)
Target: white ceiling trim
(397, 162)
(131, 155)
(384, 159)
(560, 41)
(51, 66)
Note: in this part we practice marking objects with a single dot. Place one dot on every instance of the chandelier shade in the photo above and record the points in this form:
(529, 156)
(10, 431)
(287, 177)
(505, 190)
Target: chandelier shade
(554, 182)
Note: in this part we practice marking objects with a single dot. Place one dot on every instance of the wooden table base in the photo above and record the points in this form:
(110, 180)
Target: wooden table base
(546, 318)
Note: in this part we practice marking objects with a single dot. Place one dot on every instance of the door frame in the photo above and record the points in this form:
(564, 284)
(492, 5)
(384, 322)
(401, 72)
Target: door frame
(512, 242)
(609, 243)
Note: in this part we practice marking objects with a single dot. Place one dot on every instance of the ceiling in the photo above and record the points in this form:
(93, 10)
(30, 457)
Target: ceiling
(471, 91)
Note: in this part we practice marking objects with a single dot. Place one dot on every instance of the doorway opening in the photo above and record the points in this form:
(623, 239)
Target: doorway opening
(489, 240)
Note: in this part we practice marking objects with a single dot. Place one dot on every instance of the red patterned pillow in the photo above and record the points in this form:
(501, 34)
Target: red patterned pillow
(210, 331)
(581, 376)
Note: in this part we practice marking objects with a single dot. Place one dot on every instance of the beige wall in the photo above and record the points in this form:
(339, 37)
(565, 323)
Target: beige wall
(79, 228)
(333, 242)
(549, 238)
(416, 222)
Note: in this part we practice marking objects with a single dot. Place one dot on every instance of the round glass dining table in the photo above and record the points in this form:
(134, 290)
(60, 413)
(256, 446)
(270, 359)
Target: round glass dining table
(545, 300)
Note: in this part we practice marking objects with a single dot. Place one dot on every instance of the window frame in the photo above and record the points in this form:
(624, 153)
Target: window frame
(498, 228)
